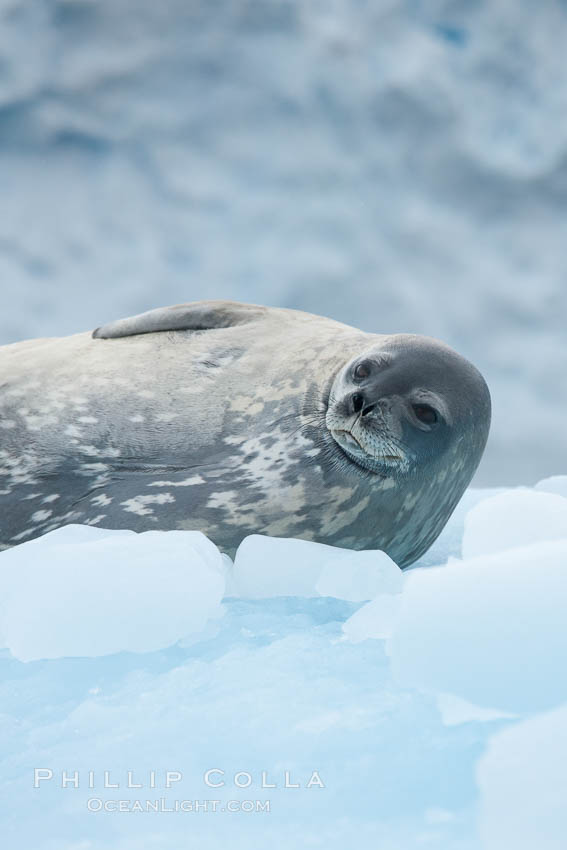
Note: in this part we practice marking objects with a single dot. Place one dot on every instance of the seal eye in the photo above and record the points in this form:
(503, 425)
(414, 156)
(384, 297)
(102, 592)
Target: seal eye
(362, 371)
(425, 414)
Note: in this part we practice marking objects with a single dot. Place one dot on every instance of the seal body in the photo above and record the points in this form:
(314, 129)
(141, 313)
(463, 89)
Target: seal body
(235, 419)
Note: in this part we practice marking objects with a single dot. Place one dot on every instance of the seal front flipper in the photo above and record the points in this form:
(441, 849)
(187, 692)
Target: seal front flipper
(194, 316)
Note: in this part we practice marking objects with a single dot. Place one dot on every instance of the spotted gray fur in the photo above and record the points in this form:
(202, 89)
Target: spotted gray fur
(235, 419)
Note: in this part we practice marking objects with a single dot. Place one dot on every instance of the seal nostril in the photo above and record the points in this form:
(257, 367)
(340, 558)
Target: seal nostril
(357, 402)
(368, 409)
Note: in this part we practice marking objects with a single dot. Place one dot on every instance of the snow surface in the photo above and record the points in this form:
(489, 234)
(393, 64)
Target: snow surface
(400, 166)
(435, 714)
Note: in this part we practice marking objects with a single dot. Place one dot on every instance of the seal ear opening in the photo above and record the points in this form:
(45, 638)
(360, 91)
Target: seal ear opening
(195, 316)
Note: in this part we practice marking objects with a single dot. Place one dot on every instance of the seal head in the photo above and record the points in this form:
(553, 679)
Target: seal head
(401, 406)
(414, 411)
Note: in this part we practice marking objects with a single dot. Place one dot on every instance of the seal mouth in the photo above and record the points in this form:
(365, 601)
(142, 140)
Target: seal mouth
(356, 453)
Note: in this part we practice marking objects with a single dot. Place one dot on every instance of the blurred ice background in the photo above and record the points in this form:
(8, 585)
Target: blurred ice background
(400, 166)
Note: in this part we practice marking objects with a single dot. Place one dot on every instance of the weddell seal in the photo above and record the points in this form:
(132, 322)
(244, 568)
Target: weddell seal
(235, 419)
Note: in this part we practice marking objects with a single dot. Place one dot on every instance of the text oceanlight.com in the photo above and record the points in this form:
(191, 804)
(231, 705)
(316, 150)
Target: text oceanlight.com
(96, 804)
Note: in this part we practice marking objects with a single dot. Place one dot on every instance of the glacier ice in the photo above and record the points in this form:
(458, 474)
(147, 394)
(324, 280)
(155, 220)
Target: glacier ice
(272, 566)
(489, 629)
(429, 712)
(553, 484)
(515, 518)
(358, 576)
(376, 619)
(84, 591)
(523, 785)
